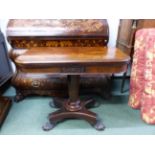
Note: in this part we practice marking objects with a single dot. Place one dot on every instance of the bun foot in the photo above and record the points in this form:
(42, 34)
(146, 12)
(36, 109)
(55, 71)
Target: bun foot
(99, 125)
(48, 126)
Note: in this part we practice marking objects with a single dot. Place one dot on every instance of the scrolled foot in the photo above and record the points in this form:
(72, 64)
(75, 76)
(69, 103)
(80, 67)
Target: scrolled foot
(99, 125)
(48, 126)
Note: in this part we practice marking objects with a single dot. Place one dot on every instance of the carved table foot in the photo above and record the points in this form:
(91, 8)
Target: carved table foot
(73, 107)
(99, 125)
(48, 126)
(69, 110)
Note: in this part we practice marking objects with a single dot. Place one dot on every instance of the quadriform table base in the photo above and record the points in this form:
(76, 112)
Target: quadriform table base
(73, 62)
(73, 107)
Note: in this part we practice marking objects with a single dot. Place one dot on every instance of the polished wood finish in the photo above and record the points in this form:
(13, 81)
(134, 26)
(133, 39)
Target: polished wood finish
(34, 73)
(27, 34)
(74, 62)
(43, 83)
(20, 42)
(5, 75)
(65, 55)
(73, 107)
(57, 27)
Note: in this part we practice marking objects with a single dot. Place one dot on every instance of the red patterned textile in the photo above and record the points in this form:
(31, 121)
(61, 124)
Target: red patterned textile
(137, 70)
(142, 82)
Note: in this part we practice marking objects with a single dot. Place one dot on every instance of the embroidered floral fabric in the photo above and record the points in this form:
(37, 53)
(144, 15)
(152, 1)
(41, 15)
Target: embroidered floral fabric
(142, 82)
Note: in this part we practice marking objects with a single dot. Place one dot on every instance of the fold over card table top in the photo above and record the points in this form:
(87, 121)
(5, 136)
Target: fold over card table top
(90, 59)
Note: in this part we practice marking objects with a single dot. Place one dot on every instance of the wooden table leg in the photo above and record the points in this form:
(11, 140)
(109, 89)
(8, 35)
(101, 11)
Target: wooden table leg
(73, 107)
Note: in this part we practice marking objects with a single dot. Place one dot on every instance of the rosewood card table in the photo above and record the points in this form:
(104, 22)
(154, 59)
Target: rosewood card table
(74, 62)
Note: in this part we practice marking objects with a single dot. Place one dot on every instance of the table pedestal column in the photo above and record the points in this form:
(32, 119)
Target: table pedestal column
(73, 107)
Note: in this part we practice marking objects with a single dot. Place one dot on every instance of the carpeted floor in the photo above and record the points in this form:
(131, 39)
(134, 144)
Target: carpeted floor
(28, 116)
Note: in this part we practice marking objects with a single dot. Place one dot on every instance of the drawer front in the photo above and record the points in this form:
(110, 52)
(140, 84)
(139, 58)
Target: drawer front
(79, 69)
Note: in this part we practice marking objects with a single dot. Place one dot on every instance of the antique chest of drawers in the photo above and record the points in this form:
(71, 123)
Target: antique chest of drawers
(24, 34)
(127, 30)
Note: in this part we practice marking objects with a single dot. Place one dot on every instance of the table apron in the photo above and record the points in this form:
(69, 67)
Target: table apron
(78, 69)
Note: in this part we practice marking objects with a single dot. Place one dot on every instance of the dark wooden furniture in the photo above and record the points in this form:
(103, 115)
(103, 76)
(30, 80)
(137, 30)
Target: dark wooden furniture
(73, 62)
(126, 36)
(26, 34)
(126, 33)
(5, 75)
